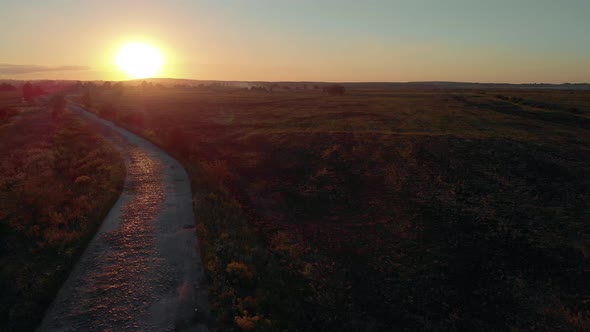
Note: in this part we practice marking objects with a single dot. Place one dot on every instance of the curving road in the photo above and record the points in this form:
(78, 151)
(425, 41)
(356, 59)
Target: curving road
(142, 270)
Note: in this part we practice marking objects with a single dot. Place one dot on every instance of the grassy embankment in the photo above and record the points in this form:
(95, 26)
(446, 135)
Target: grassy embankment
(382, 209)
(58, 179)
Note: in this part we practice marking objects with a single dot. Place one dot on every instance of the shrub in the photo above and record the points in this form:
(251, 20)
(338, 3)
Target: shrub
(83, 179)
(247, 323)
(239, 270)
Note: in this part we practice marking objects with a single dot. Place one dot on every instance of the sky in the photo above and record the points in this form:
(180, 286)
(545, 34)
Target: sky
(515, 41)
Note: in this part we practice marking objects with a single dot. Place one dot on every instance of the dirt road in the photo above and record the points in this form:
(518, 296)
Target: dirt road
(142, 270)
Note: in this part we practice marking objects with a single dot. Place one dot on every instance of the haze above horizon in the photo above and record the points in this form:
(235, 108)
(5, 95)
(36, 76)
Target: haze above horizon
(527, 41)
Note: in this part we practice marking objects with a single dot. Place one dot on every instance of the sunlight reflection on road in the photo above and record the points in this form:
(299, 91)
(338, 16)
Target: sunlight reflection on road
(119, 284)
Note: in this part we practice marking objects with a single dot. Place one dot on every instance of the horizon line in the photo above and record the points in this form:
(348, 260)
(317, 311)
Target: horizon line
(298, 81)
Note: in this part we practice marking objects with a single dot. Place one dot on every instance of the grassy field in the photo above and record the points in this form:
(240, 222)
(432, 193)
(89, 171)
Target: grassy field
(58, 179)
(381, 210)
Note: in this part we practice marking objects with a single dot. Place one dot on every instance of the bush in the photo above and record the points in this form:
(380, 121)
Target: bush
(239, 270)
(83, 179)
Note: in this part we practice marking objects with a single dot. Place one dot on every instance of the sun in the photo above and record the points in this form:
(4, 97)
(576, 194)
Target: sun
(139, 60)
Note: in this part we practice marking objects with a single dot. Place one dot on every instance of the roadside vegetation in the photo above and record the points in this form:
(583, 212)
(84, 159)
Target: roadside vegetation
(58, 179)
(381, 210)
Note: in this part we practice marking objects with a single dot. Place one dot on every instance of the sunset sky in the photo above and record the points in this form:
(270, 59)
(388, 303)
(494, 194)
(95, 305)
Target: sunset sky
(339, 40)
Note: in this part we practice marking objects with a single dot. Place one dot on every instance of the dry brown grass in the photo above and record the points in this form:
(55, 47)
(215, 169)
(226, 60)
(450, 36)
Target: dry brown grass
(383, 209)
(58, 179)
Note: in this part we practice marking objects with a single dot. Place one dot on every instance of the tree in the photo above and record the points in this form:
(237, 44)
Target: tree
(87, 100)
(28, 91)
(57, 104)
(37, 91)
(146, 85)
(118, 89)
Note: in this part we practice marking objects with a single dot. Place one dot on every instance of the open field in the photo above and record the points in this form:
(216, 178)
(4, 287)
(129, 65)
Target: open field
(58, 179)
(392, 209)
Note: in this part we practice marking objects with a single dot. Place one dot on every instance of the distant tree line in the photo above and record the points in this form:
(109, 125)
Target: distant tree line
(119, 88)
(31, 91)
(260, 88)
(7, 87)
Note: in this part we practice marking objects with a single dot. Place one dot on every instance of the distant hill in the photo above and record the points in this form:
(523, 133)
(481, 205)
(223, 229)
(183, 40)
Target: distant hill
(378, 85)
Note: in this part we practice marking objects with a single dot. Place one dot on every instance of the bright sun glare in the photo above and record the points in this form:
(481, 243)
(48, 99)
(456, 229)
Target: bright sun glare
(139, 60)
